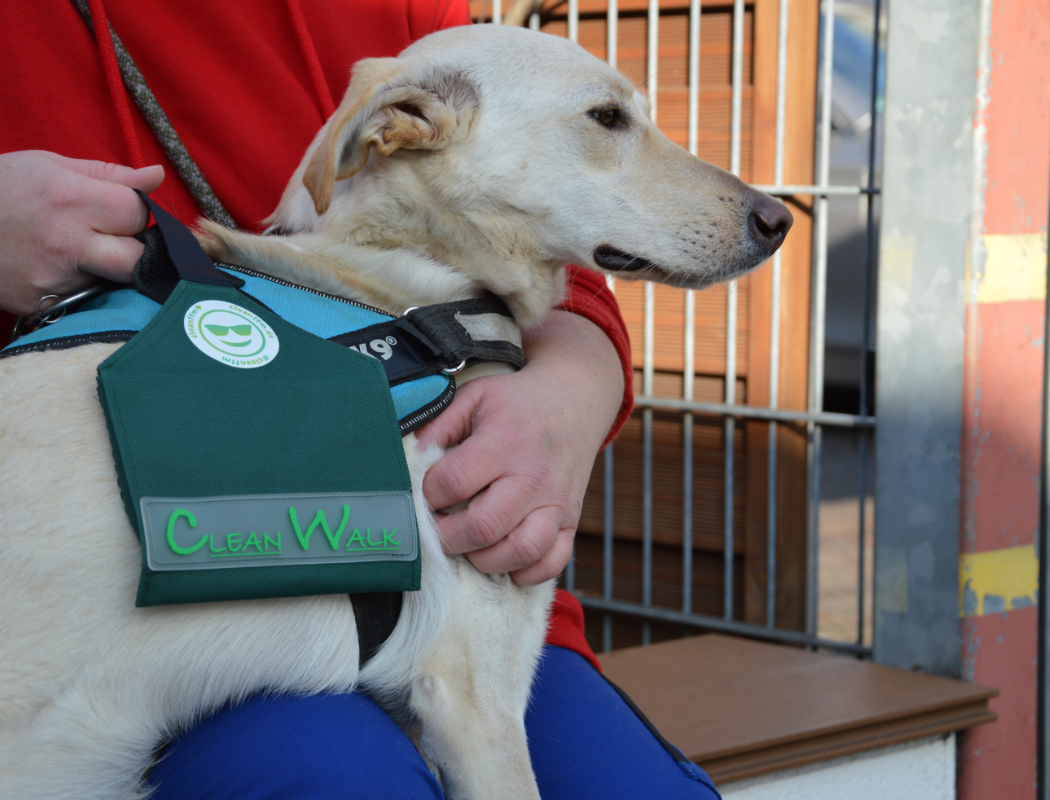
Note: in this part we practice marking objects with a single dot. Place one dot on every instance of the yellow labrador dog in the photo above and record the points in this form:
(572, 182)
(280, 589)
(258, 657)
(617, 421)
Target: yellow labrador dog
(483, 159)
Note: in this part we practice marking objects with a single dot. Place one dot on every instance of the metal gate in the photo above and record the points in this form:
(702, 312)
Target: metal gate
(734, 414)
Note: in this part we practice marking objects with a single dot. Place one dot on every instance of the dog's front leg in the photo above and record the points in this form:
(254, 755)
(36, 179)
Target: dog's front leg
(471, 695)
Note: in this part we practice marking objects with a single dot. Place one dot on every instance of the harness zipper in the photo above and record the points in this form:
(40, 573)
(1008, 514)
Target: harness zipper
(409, 424)
(253, 273)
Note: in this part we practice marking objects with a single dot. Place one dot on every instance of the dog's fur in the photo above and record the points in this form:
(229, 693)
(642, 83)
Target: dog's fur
(474, 162)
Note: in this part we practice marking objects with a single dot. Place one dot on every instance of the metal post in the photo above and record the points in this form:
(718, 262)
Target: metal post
(731, 309)
(816, 326)
(865, 346)
(647, 466)
(774, 331)
(689, 365)
(929, 189)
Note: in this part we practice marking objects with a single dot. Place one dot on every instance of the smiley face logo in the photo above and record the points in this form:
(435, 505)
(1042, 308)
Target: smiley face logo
(242, 331)
(231, 334)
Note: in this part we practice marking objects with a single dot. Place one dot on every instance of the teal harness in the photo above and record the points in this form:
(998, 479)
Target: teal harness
(420, 351)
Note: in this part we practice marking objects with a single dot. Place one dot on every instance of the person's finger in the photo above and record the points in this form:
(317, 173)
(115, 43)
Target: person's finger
(115, 209)
(464, 471)
(552, 563)
(525, 545)
(75, 282)
(145, 178)
(454, 424)
(491, 515)
(111, 257)
(110, 207)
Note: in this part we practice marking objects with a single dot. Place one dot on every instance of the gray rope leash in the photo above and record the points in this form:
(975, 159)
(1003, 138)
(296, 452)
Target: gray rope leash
(162, 128)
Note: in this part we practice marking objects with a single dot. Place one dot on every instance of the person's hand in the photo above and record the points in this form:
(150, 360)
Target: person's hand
(64, 221)
(527, 445)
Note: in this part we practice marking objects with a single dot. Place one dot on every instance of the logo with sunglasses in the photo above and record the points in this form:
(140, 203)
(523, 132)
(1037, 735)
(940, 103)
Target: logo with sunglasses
(231, 334)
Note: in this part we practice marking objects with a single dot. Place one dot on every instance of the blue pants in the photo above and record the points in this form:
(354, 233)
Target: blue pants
(584, 741)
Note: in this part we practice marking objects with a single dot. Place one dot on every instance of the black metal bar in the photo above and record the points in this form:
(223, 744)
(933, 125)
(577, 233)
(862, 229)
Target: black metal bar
(720, 624)
(869, 273)
(1042, 780)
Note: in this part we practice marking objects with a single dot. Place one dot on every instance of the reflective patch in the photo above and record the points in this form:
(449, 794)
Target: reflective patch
(206, 533)
(490, 327)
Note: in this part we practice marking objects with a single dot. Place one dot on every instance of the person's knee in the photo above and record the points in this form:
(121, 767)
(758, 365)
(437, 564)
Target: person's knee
(587, 742)
(319, 747)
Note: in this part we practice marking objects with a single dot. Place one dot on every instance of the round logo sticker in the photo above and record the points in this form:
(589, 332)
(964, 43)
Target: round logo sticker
(231, 334)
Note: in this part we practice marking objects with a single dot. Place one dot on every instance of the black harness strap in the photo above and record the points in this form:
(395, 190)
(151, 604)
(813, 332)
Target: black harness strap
(471, 331)
(156, 275)
(376, 614)
(185, 254)
(440, 337)
(423, 342)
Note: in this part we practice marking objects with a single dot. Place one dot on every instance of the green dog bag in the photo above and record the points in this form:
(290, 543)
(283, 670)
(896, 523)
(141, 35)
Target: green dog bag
(254, 459)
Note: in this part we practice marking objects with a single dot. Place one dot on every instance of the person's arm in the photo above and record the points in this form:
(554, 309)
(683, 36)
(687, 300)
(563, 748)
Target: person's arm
(527, 442)
(65, 222)
(530, 437)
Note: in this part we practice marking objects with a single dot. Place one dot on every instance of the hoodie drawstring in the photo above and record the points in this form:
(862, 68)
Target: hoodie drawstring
(100, 23)
(313, 63)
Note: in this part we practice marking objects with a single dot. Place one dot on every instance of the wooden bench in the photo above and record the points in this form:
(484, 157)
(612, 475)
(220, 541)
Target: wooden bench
(741, 708)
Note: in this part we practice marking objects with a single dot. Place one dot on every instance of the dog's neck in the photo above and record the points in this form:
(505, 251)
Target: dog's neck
(374, 247)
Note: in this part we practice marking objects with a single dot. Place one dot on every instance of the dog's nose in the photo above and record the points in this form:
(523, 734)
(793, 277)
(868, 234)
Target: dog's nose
(770, 222)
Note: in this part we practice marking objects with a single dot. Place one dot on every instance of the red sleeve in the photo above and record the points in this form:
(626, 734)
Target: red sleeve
(588, 296)
(565, 628)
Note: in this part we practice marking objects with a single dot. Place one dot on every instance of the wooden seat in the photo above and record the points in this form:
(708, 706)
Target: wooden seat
(741, 708)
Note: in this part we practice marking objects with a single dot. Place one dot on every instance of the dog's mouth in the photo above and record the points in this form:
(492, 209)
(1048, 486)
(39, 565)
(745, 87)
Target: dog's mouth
(615, 260)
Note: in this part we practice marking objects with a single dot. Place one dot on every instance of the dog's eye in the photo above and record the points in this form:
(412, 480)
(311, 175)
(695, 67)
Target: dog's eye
(609, 117)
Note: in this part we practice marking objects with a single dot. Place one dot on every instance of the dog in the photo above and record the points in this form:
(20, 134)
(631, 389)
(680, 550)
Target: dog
(481, 160)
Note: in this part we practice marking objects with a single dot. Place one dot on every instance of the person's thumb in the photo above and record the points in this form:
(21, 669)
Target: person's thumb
(145, 179)
(454, 424)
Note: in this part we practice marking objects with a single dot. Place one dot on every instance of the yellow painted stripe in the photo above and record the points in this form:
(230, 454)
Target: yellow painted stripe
(1014, 269)
(998, 580)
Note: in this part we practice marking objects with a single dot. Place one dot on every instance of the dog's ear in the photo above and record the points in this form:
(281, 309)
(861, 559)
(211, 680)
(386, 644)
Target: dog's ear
(391, 104)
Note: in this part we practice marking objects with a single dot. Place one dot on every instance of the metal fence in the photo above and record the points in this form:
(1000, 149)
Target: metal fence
(814, 417)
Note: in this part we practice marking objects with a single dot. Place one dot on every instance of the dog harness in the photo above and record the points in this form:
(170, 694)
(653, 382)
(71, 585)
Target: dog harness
(419, 351)
(255, 426)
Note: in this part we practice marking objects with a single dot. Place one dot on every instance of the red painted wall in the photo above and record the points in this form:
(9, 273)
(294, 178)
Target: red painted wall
(1002, 403)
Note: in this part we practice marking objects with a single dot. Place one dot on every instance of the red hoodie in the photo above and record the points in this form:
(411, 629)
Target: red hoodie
(246, 85)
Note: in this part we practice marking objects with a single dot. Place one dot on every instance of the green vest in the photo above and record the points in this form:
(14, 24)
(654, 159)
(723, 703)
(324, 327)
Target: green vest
(254, 459)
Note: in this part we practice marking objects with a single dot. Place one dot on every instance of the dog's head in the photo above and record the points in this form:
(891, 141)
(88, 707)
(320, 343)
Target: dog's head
(486, 144)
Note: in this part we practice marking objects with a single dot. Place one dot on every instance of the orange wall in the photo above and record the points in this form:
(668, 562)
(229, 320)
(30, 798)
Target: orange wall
(1003, 395)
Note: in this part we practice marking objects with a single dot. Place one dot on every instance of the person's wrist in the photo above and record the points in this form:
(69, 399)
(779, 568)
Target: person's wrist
(576, 352)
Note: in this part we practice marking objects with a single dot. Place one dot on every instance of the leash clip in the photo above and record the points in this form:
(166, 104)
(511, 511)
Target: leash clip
(457, 369)
(47, 317)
